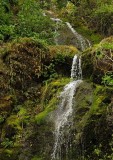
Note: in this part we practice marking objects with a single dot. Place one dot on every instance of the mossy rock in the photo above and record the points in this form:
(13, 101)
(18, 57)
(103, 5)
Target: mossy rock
(49, 98)
(92, 122)
(97, 62)
(9, 154)
(61, 57)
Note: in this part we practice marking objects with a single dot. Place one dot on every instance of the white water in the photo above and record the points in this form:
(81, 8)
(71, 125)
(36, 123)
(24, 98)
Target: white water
(76, 71)
(56, 19)
(65, 108)
(84, 43)
(63, 115)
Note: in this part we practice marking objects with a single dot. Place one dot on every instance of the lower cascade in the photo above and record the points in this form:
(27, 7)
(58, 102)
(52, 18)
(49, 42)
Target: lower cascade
(63, 115)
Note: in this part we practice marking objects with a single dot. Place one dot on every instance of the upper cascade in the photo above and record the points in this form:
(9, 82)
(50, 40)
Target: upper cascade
(56, 19)
(79, 41)
(84, 43)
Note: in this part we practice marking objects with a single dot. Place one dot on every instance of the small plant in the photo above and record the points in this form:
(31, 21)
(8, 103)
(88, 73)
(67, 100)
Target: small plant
(7, 143)
(107, 80)
(1, 119)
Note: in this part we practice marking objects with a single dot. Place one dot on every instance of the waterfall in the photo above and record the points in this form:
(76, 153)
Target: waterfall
(63, 117)
(76, 71)
(79, 41)
(84, 43)
(65, 109)
(57, 21)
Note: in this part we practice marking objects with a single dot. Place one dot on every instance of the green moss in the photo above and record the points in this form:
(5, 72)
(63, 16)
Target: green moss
(49, 98)
(63, 50)
(36, 158)
(14, 122)
(9, 154)
(98, 105)
(1, 119)
(51, 106)
(90, 34)
(107, 45)
(93, 119)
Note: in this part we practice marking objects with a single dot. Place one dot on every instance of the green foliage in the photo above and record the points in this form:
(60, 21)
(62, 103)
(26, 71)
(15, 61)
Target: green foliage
(7, 143)
(6, 32)
(1, 119)
(32, 23)
(6, 26)
(4, 13)
(95, 38)
(96, 15)
(107, 79)
(103, 17)
(61, 4)
(50, 71)
(24, 19)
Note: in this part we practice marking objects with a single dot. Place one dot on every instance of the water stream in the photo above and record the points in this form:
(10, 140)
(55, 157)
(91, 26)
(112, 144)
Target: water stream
(65, 109)
(75, 38)
(83, 42)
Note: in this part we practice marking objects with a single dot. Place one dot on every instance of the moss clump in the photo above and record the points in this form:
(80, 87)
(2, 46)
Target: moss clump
(64, 50)
(51, 106)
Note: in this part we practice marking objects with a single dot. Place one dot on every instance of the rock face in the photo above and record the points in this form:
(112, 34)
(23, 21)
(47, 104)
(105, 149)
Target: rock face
(93, 122)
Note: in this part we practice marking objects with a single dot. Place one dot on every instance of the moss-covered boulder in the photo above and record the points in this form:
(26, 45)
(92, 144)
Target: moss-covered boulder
(97, 62)
(93, 123)
(61, 58)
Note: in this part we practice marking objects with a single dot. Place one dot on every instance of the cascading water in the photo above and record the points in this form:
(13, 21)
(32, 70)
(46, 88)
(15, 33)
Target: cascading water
(76, 71)
(81, 42)
(63, 118)
(57, 21)
(65, 109)
(84, 43)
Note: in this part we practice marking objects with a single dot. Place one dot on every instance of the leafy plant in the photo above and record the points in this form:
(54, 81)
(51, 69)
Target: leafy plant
(1, 119)
(6, 21)
(32, 23)
(7, 143)
(108, 79)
